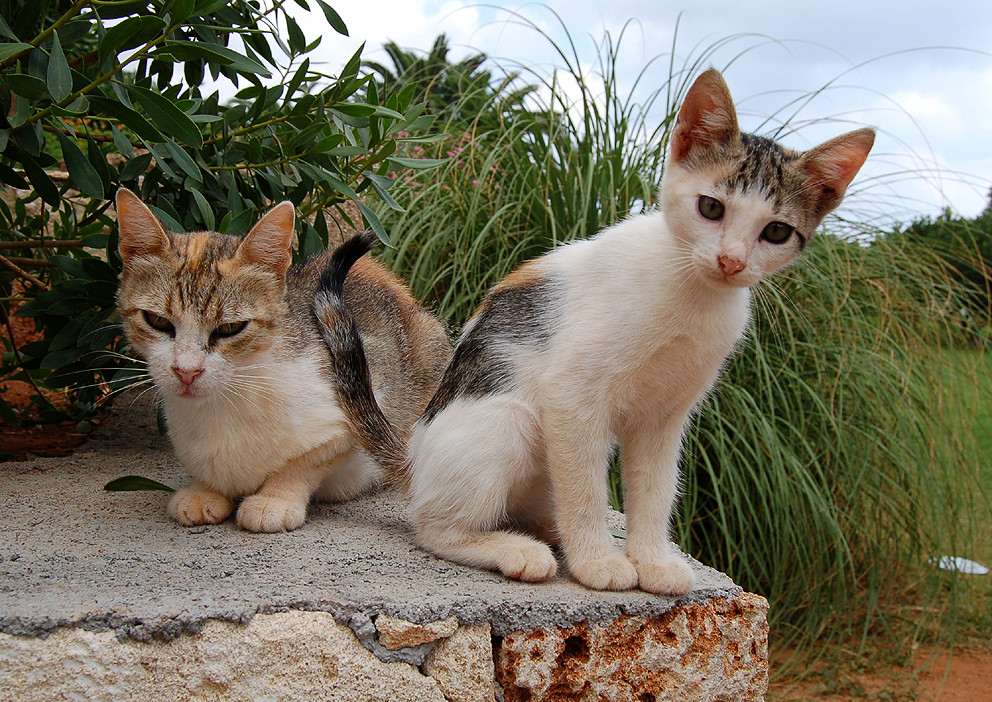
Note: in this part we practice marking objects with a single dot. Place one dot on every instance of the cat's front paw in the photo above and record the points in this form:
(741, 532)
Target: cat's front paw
(611, 572)
(260, 513)
(530, 562)
(194, 507)
(670, 576)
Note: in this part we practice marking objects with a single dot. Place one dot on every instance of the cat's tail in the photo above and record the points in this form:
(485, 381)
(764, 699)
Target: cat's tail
(351, 369)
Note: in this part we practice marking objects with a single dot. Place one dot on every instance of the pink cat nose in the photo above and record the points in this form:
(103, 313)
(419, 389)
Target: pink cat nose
(187, 375)
(730, 265)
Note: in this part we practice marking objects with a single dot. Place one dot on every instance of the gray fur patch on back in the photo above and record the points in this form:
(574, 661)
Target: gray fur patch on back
(509, 317)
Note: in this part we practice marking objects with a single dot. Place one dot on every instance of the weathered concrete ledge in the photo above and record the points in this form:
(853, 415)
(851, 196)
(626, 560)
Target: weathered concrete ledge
(102, 596)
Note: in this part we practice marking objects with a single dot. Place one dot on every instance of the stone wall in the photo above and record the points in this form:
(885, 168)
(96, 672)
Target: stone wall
(707, 651)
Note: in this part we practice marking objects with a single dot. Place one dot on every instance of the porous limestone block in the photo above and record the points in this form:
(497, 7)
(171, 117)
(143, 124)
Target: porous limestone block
(462, 665)
(286, 656)
(715, 651)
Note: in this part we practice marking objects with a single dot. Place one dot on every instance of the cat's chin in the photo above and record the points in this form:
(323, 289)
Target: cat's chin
(189, 394)
(717, 280)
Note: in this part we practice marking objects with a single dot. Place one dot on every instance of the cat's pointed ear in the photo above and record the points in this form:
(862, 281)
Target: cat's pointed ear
(833, 164)
(707, 117)
(270, 242)
(141, 233)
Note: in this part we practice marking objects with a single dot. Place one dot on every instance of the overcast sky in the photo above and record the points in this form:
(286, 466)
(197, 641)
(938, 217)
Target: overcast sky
(921, 72)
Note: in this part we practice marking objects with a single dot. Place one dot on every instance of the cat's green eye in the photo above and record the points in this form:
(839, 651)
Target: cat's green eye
(710, 207)
(228, 329)
(777, 232)
(159, 323)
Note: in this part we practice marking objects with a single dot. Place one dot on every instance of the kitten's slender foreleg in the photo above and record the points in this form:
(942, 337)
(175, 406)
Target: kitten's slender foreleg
(199, 504)
(650, 461)
(577, 452)
(281, 503)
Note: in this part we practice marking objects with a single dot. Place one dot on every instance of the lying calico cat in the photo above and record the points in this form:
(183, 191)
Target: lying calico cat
(613, 339)
(227, 329)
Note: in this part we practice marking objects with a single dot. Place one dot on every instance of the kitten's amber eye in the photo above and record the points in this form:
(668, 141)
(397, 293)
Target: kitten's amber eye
(228, 329)
(710, 207)
(159, 323)
(777, 232)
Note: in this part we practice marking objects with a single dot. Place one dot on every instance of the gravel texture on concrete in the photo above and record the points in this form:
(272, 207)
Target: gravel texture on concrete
(73, 555)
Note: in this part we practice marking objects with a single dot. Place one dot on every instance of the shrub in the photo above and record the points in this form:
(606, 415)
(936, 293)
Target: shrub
(96, 95)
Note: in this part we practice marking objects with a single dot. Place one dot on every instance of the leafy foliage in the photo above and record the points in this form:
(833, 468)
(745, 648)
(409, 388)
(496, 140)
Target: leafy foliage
(965, 245)
(97, 94)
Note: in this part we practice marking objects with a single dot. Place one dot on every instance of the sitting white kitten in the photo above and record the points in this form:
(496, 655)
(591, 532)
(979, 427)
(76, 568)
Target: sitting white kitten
(613, 339)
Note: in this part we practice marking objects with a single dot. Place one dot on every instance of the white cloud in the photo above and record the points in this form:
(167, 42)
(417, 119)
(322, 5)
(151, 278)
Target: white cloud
(933, 106)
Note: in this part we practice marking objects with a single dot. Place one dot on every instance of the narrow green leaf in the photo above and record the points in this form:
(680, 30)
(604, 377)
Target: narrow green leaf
(124, 114)
(182, 9)
(98, 159)
(297, 40)
(381, 185)
(416, 163)
(77, 108)
(351, 70)
(8, 50)
(130, 33)
(59, 75)
(135, 483)
(42, 184)
(135, 167)
(25, 85)
(6, 31)
(8, 175)
(353, 110)
(184, 160)
(122, 144)
(19, 115)
(188, 50)
(167, 219)
(206, 213)
(167, 117)
(373, 221)
(80, 169)
(297, 79)
(333, 18)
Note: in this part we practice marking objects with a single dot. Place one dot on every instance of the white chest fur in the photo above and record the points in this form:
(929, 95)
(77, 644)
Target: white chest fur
(234, 439)
(638, 324)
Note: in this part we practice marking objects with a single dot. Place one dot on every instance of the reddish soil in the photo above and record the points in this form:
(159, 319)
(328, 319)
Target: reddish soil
(20, 443)
(964, 676)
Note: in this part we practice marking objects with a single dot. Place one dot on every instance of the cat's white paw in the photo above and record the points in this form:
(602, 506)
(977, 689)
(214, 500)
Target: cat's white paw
(261, 513)
(532, 563)
(194, 507)
(670, 576)
(612, 572)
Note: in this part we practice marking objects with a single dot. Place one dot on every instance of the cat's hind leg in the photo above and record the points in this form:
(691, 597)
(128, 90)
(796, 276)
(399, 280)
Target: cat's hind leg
(465, 462)
(349, 475)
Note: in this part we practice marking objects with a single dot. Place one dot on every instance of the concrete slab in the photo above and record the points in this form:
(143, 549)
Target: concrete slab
(103, 596)
(72, 555)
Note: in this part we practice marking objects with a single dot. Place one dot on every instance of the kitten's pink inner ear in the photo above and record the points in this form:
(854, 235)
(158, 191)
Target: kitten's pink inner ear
(833, 164)
(707, 116)
(269, 243)
(141, 233)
